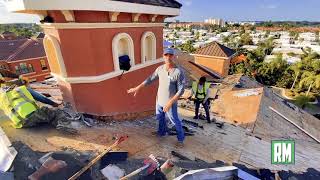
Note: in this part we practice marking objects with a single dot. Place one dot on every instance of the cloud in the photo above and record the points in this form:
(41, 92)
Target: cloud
(270, 6)
(187, 2)
(8, 17)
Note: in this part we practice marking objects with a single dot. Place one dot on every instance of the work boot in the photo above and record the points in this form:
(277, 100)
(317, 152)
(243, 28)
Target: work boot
(195, 117)
(156, 134)
(179, 145)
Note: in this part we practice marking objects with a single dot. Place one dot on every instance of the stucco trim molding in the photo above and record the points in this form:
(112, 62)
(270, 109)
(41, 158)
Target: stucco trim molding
(98, 25)
(106, 76)
(22, 60)
(58, 53)
(154, 46)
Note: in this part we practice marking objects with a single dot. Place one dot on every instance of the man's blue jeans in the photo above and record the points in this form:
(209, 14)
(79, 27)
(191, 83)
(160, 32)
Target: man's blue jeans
(173, 116)
(41, 98)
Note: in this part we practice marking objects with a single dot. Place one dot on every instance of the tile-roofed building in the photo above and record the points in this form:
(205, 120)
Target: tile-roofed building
(25, 57)
(216, 57)
(7, 35)
(193, 71)
(215, 49)
(7, 47)
(33, 49)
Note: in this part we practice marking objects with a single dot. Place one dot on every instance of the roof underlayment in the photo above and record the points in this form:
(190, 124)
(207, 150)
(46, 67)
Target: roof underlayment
(248, 144)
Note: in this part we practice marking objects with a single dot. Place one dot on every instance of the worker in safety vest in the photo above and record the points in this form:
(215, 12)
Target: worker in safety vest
(23, 111)
(8, 78)
(201, 91)
(20, 106)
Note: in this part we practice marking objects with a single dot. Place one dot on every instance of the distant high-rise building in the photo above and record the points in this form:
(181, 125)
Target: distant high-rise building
(215, 21)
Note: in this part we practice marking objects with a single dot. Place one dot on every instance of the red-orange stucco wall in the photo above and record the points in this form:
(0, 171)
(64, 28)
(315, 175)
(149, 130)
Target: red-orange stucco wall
(91, 16)
(110, 97)
(218, 65)
(88, 52)
(38, 74)
(101, 17)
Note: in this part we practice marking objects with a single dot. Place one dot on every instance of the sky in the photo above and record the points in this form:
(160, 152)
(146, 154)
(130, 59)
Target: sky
(229, 10)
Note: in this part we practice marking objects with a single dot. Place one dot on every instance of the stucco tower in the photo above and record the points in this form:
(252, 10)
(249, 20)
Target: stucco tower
(84, 40)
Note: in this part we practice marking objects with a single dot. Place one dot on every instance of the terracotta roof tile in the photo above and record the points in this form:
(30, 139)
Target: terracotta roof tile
(192, 70)
(21, 49)
(215, 49)
(34, 49)
(8, 47)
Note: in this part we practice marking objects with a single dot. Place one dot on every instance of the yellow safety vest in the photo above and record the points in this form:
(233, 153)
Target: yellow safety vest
(200, 94)
(17, 104)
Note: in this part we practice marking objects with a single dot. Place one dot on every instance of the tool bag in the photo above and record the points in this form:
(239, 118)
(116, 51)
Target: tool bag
(124, 62)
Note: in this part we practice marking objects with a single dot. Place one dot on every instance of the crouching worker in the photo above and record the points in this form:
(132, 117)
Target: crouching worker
(201, 91)
(19, 105)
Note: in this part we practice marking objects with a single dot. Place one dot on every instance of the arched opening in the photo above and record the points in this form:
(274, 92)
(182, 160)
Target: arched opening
(55, 59)
(148, 47)
(123, 47)
(122, 44)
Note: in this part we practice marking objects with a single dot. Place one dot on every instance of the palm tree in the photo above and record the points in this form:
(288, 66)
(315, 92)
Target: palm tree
(297, 68)
(311, 80)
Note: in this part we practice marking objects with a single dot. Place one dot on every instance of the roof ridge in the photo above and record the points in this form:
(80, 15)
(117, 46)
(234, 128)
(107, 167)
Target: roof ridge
(215, 49)
(20, 49)
(222, 47)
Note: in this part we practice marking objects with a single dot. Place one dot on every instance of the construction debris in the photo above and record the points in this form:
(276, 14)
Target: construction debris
(250, 92)
(194, 124)
(228, 172)
(7, 152)
(113, 172)
(49, 166)
(180, 156)
(150, 165)
(96, 159)
(214, 145)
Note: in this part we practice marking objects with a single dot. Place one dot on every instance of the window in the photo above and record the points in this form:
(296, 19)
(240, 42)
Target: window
(43, 64)
(24, 68)
(17, 70)
(148, 47)
(122, 44)
(3, 67)
(31, 68)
